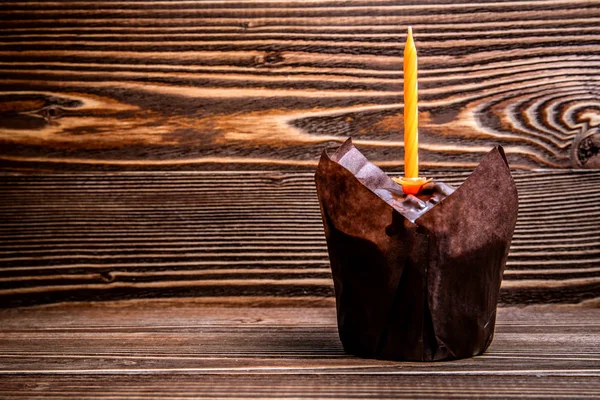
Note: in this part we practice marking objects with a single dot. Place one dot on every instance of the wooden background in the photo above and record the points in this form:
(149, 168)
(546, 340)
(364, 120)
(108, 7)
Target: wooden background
(97, 85)
(156, 164)
(129, 131)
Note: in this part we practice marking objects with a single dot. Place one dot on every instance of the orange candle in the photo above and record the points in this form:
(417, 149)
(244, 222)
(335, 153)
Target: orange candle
(411, 182)
(411, 109)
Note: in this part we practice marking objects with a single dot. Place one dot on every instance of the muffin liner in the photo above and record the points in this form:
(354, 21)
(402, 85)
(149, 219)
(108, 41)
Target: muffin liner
(412, 284)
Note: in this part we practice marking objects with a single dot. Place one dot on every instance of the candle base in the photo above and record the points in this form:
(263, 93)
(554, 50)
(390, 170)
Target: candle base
(411, 185)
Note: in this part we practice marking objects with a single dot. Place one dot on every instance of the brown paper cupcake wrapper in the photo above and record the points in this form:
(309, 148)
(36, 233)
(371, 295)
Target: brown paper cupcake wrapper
(423, 290)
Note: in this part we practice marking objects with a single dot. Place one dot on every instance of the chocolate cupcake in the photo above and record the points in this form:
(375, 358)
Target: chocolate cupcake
(416, 277)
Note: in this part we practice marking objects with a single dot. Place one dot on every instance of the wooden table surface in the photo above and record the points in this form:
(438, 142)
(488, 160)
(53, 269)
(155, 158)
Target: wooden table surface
(159, 230)
(164, 349)
(158, 349)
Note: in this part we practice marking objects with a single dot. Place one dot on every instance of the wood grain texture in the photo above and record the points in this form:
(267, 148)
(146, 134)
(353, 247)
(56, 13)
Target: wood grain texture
(249, 238)
(174, 350)
(113, 85)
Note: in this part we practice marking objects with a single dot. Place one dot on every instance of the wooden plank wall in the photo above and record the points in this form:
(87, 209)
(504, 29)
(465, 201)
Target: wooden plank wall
(248, 238)
(129, 130)
(105, 84)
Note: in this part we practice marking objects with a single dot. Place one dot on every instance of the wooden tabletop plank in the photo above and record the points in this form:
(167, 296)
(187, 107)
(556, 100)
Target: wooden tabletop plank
(249, 238)
(155, 349)
(121, 85)
(192, 386)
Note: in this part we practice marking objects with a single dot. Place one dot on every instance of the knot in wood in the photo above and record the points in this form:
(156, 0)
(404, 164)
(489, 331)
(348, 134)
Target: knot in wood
(273, 57)
(50, 112)
(270, 58)
(587, 151)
